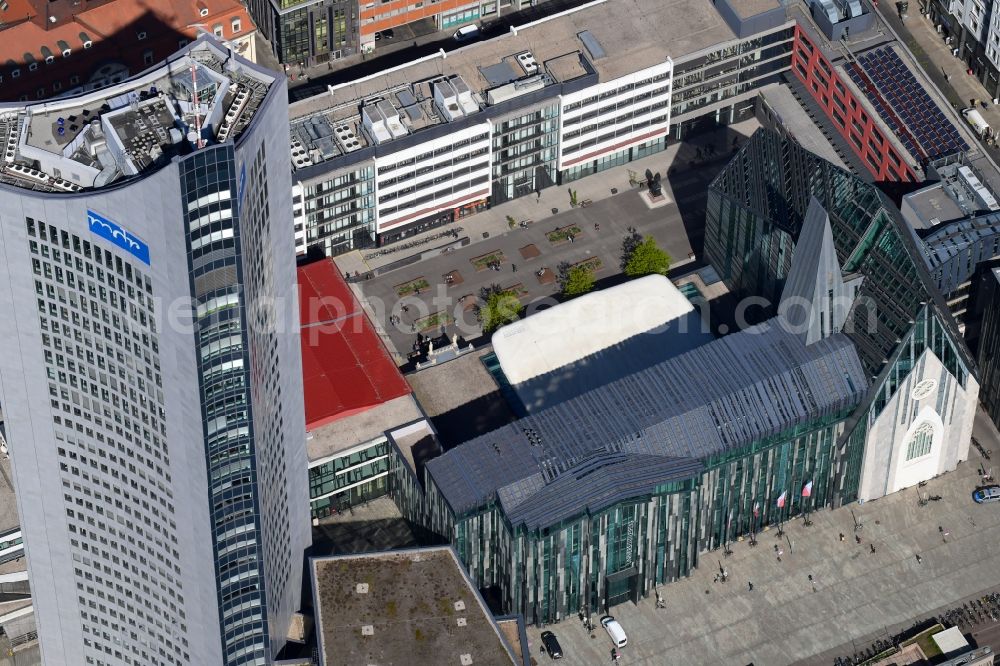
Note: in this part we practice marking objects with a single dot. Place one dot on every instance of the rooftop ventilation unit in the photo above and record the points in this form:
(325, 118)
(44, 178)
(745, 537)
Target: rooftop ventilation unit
(515, 89)
(453, 98)
(392, 120)
(527, 62)
(828, 8)
(382, 121)
(347, 139)
(985, 198)
(446, 100)
(464, 93)
(300, 158)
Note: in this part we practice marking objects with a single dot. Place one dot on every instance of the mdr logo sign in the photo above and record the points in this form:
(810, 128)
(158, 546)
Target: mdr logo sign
(118, 235)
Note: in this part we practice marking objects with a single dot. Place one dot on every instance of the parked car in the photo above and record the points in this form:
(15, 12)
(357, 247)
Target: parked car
(987, 495)
(466, 32)
(551, 644)
(614, 630)
(384, 34)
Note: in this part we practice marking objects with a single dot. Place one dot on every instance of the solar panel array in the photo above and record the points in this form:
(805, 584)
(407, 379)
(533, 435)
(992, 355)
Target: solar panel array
(925, 124)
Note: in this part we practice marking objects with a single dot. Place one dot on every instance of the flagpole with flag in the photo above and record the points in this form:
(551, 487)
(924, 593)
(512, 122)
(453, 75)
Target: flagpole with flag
(725, 542)
(807, 492)
(781, 505)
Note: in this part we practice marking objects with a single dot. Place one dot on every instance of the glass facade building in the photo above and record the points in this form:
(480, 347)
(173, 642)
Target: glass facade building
(155, 406)
(598, 499)
(524, 153)
(307, 32)
(988, 303)
(728, 71)
(349, 478)
(340, 211)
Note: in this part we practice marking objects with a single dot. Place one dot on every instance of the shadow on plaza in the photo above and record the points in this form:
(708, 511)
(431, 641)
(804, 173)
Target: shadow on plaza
(706, 150)
(475, 417)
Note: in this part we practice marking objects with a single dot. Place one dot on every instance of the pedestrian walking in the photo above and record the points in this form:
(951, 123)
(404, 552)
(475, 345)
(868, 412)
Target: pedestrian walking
(872, 546)
(920, 560)
(513, 268)
(857, 539)
(750, 585)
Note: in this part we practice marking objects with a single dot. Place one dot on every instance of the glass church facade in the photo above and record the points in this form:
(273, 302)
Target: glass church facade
(593, 561)
(577, 553)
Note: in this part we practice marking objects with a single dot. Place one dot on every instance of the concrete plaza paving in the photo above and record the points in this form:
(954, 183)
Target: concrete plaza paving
(858, 594)
(678, 227)
(686, 186)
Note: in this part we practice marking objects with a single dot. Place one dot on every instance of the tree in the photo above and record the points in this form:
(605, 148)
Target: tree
(576, 280)
(647, 259)
(630, 242)
(499, 307)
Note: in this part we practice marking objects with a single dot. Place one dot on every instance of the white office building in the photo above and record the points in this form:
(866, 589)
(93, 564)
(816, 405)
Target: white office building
(429, 142)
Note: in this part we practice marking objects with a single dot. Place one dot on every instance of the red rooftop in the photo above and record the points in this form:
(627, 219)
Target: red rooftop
(345, 367)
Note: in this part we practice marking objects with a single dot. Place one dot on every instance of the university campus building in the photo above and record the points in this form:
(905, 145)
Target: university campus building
(153, 401)
(366, 434)
(425, 144)
(855, 384)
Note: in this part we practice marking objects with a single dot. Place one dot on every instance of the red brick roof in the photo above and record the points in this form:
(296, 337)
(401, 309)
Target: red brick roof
(113, 30)
(345, 367)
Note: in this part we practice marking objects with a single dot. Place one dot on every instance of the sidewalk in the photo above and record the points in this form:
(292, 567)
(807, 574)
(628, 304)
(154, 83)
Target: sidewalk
(595, 187)
(857, 593)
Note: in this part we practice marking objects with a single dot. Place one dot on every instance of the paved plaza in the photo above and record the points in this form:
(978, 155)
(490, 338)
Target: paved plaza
(450, 282)
(857, 593)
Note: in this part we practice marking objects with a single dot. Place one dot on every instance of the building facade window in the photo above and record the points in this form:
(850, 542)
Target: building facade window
(921, 442)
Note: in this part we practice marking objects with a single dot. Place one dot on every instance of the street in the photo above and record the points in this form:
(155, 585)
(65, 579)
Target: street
(950, 76)
(410, 42)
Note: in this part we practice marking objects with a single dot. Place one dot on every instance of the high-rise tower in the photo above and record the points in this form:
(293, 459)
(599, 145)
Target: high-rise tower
(151, 384)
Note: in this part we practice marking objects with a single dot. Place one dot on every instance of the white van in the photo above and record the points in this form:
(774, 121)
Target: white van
(614, 630)
(466, 32)
(976, 120)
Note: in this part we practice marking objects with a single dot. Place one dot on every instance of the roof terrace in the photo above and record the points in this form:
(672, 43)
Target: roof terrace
(92, 140)
(402, 607)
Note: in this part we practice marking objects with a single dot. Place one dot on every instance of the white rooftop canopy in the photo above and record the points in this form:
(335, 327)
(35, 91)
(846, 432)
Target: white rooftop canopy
(586, 325)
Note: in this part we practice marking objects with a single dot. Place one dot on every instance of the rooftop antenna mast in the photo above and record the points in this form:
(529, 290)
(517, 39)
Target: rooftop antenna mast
(199, 142)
